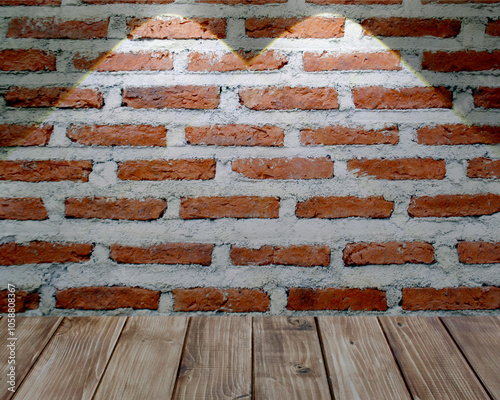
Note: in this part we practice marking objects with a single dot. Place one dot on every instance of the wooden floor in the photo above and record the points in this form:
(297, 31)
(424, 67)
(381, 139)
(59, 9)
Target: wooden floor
(282, 358)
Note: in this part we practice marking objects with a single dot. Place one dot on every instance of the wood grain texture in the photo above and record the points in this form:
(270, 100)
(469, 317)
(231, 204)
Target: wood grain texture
(479, 340)
(288, 363)
(432, 365)
(146, 359)
(32, 335)
(359, 359)
(217, 360)
(73, 362)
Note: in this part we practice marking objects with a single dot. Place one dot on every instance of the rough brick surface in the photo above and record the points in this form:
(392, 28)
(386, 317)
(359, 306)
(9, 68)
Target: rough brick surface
(294, 28)
(108, 208)
(298, 255)
(190, 97)
(166, 253)
(414, 27)
(214, 299)
(342, 135)
(107, 298)
(469, 60)
(336, 299)
(387, 61)
(344, 207)
(231, 2)
(24, 301)
(176, 28)
(380, 98)
(44, 252)
(25, 135)
(388, 253)
(118, 135)
(458, 134)
(479, 252)
(285, 168)
(235, 135)
(289, 98)
(137, 61)
(26, 208)
(27, 60)
(30, 2)
(352, 2)
(57, 28)
(487, 97)
(45, 170)
(229, 207)
(483, 168)
(493, 28)
(454, 205)
(399, 169)
(238, 61)
(160, 170)
(127, 1)
(53, 97)
(460, 298)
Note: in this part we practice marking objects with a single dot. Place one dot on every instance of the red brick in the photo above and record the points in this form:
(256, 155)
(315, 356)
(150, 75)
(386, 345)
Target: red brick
(107, 298)
(127, 1)
(380, 98)
(25, 135)
(366, 253)
(108, 208)
(399, 169)
(285, 168)
(336, 299)
(483, 168)
(139, 61)
(469, 60)
(414, 27)
(460, 298)
(354, 2)
(188, 97)
(343, 135)
(236, 61)
(487, 97)
(24, 301)
(386, 60)
(53, 97)
(118, 135)
(479, 252)
(229, 207)
(45, 170)
(235, 135)
(166, 253)
(56, 28)
(30, 2)
(301, 256)
(493, 27)
(23, 209)
(295, 28)
(454, 205)
(458, 1)
(176, 28)
(458, 134)
(344, 207)
(27, 60)
(289, 98)
(161, 170)
(44, 252)
(232, 2)
(227, 300)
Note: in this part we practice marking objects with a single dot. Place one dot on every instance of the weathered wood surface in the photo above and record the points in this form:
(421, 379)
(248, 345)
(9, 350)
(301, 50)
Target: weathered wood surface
(359, 360)
(479, 340)
(288, 363)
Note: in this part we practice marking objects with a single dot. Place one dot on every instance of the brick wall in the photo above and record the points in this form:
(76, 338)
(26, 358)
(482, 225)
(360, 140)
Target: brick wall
(342, 157)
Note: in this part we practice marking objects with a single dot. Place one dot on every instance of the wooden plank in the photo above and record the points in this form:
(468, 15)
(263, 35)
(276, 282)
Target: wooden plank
(288, 363)
(430, 361)
(146, 359)
(479, 340)
(30, 336)
(73, 362)
(359, 360)
(217, 360)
